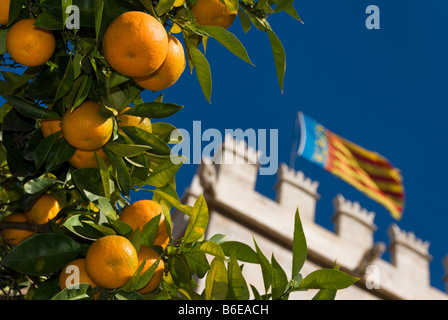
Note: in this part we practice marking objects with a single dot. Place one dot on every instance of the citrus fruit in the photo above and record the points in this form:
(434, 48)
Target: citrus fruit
(213, 13)
(111, 261)
(74, 273)
(50, 126)
(43, 210)
(4, 11)
(85, 128)
(170, 71)
(86, 159)
(135, 44)
(140, 212)
(151, 257)
(135, 121)
(15, 236)
(30, 45)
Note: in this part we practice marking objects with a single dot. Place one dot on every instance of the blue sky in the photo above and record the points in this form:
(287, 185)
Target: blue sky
(383, 89)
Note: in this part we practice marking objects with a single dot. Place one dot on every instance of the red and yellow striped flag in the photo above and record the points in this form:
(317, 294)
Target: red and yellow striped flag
(367, 171)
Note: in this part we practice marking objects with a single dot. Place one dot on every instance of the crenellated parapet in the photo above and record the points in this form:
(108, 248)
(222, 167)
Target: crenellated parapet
(293, 188)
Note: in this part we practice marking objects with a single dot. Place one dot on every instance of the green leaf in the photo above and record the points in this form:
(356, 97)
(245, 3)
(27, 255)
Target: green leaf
(229, 41)
(104, 173)
(244, 19)
(327, 279)
(154, 110)
(180, 270)
(79, 226)
(266, 268)
(164, 6)
(42, 254)
(38, 185)
(149, 232)
(122, 172)
(3, 34)
(212, 248)
(173, 201)
(86, 179)
(143, 137)
(243, 251)
(125, 150)
(299, 246)
(146, 276)
(217, 281)
(198, 222)
(61, 152)
(32, 110)
(99, 6)
(163, 174)
(238, 289)
(67, 81)
(279, 279)
(203, 72)
(325, 294)
(44, 148)
(75, 292)
(279, 56)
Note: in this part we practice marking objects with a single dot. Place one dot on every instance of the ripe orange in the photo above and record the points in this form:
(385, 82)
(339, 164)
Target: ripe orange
(30, 45)
(4, 11)
(111, 261)
(50, 126)
(135, 44)
(86, 159)
(128, 120)
(15, 236)
(85, 128)
(140, 212)
(151, 257)
(213, 13)
(43, 210)
(74, 273)
(170, 71)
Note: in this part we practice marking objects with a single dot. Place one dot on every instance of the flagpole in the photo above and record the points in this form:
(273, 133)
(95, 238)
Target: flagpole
(293, 155)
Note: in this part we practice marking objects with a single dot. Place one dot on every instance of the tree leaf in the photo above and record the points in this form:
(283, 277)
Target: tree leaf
(143, 137)
(42, 254)
(80, 292)
(125, 150)
(31, 110)
(212, 248)
(122, 173)
(279, 279)
(299, 246)
(238, 289)
(163, 174)
(154, 110)
(202, 68)
(327, 279)
(229, 41)
(243, 251)
(266, 268)
(279, 56)
(44, 148)
(217, 281)
(149, 232)
(198, 221)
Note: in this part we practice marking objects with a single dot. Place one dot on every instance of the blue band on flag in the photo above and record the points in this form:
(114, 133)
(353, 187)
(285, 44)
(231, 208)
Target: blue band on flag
(313, 140)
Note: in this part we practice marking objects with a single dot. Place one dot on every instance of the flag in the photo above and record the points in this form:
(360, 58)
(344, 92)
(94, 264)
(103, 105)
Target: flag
(365, 170)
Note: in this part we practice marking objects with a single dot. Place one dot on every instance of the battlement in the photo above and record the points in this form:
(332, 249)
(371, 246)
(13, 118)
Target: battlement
(236, 152)
(408, 239)
(240, 212)
(297, 179)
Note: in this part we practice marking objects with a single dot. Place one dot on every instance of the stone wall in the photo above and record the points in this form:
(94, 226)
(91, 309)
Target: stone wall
(241, 213)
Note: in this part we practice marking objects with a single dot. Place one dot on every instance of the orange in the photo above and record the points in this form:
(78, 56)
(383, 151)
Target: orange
(15, 236)
(111, 261)
(170, 71)
(135, 44)
(43, 210)
(140, 212)
(4, 11)
(30, 45)
(128, 120)
(85, 128)
(74, 273)
(86, 159)
(50, 126)
(151, 257)
(213, 13)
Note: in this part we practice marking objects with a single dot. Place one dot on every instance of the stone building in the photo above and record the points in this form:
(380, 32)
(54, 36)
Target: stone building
(242, 213)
